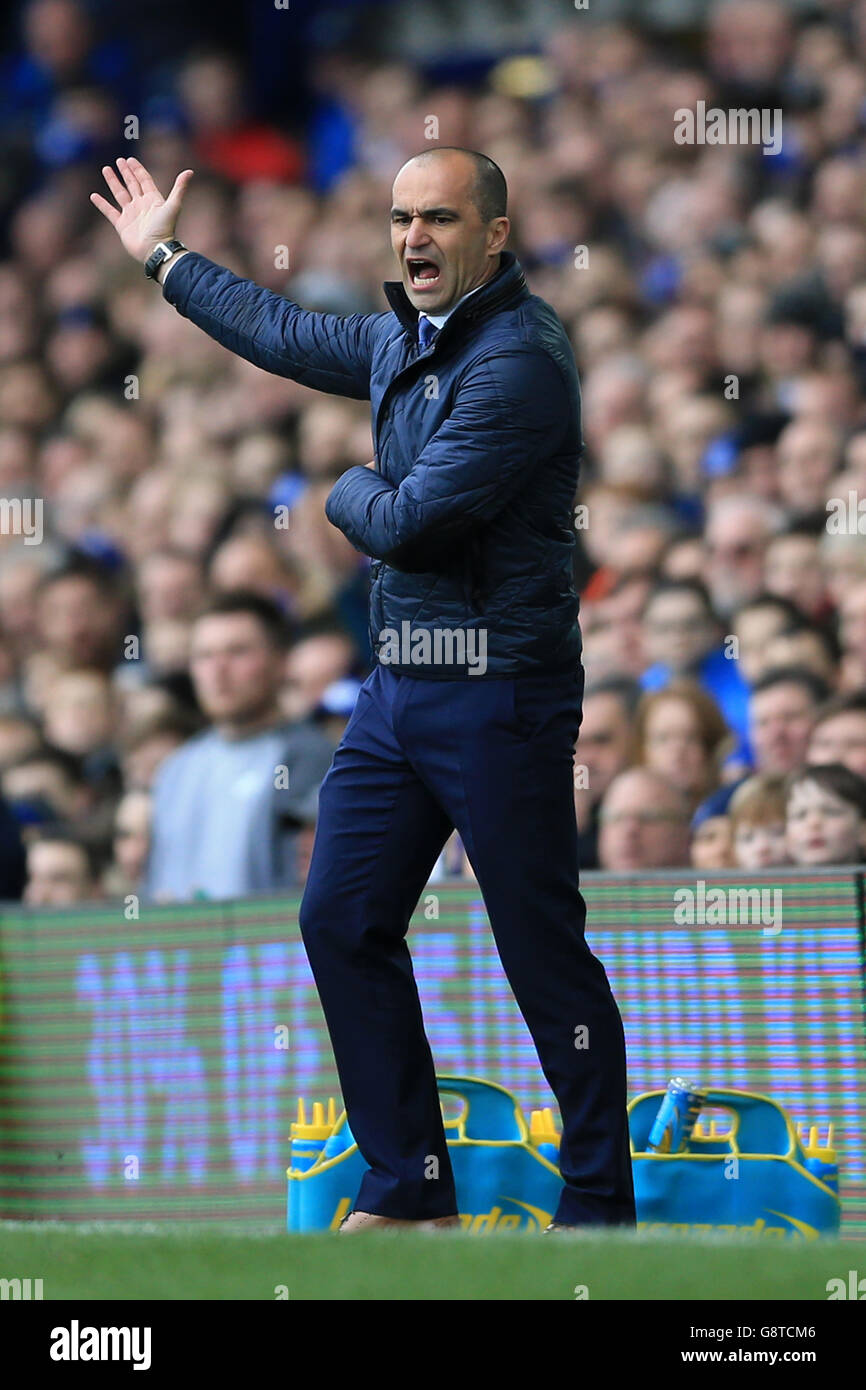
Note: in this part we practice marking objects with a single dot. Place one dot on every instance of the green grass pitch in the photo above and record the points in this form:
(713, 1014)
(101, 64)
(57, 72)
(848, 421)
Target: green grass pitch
(186, 1261)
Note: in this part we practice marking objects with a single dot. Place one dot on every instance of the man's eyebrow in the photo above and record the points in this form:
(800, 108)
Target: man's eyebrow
(427, 212)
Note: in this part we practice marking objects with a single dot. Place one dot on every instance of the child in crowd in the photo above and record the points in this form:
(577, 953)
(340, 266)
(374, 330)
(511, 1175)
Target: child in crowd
(711, 843)
(757, 815)
(826, 815)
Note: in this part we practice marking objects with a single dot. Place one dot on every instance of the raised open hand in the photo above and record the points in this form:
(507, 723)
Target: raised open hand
(142, 217)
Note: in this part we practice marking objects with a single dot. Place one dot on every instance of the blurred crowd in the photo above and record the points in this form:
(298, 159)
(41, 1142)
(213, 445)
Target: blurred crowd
(183, 634)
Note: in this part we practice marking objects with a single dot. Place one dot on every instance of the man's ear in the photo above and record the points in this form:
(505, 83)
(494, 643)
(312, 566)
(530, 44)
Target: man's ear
(498, 235)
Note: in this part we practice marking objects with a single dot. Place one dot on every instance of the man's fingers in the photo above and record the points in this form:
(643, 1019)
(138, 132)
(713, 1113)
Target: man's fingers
(145, 181)
(116, 186)
(127, 173)
(105, 208)
(178, 189)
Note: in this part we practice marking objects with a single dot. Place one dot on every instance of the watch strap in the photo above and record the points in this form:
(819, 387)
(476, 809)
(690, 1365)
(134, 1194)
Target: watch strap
(162, 252)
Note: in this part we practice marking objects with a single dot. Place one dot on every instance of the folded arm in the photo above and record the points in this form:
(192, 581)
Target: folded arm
(511, 413)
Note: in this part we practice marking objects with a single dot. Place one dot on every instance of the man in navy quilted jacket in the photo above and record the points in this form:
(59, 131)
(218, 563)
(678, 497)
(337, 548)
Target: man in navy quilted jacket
(470, 715)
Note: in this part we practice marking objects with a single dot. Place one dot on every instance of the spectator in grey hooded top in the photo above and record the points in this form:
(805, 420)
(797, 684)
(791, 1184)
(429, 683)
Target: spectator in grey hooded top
(228, 805)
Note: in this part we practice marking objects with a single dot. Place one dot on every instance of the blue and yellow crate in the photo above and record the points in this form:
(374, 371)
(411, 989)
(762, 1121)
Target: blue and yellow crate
(746, 1168)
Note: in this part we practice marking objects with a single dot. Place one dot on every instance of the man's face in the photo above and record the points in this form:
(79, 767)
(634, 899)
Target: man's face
(443, 247)
(77, 620)
(169, 586)
(678, 630)
(841, 739)
(807, 458)
(57, 874)
(781, 720)
(132, 833)
(79, 713)
(236, 671)
(603, 745)
(735, 544)
(801, 649)
(643, 825)
(754, 630)
(312, 666)
(792, 569)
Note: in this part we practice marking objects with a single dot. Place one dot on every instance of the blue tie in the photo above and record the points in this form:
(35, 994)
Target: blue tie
(426, 332)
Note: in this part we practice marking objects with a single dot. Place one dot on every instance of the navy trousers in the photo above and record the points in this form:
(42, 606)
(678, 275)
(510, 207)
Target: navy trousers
(492, 758)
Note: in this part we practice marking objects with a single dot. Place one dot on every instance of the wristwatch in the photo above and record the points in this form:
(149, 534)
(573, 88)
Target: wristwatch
(163, 251)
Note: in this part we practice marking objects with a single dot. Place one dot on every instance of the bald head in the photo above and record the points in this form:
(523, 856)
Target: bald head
(489, 190)
(644, 823)
(448, 225)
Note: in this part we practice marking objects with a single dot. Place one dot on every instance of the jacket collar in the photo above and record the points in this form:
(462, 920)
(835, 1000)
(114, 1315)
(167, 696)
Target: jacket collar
(506, 287)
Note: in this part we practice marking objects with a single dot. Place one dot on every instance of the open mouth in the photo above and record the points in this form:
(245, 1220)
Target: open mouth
(423, 274)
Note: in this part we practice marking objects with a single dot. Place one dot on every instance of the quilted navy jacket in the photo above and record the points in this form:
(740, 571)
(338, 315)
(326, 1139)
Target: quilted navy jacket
(468, 517)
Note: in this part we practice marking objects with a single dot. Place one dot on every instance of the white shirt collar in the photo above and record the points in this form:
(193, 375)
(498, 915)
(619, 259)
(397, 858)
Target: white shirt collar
(438, 320)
